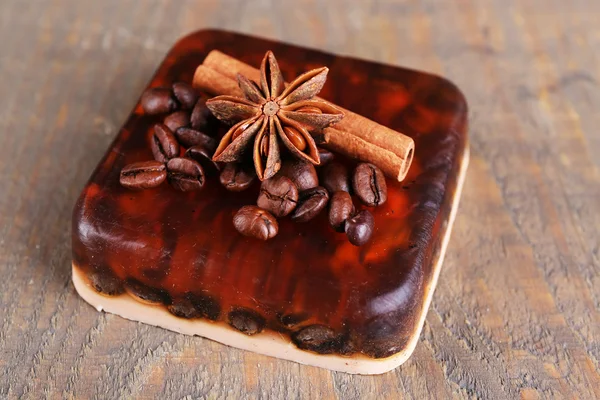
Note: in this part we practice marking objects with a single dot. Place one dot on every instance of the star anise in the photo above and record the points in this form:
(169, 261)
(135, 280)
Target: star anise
(272, 113)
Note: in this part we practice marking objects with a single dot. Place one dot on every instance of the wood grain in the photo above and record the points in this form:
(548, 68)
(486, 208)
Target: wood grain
(517, 309)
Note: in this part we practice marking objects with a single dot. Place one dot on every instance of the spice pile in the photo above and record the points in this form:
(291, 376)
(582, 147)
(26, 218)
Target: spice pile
(274, 125)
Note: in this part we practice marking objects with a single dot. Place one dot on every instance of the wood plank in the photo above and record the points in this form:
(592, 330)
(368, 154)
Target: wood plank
(517, 309)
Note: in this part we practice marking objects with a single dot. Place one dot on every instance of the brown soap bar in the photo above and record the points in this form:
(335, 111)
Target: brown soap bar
(178, 254)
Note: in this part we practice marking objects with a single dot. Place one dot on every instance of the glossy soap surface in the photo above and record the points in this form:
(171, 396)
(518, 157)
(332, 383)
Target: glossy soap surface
(179, 244)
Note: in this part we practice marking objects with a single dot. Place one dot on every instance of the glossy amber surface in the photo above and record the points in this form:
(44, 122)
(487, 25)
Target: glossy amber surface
(181, 249)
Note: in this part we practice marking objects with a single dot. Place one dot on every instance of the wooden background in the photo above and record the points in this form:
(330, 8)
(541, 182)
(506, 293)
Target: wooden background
(517, 309)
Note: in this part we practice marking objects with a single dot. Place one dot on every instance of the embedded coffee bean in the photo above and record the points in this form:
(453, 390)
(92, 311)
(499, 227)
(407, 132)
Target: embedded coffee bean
(158, 101)
(335, 177)
(146, 294)
(255, 222)
(359, 227)
(185, 94)
(143, 175)
(325, 156)
(206, 306)
(202, 118)
(177, 119)
(203, 157)
(310, 204)
(106, 282)
(295, 137)
(278, 195)
(236, 177)
(189, 137)
(369, 184)
(185, 174)
(340, 209)
(247, 321)
(163, 144)
(183, 308)
(302, 173)
(318, 338)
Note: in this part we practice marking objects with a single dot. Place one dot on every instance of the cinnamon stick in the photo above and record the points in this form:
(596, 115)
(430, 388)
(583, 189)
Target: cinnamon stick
(354, 136)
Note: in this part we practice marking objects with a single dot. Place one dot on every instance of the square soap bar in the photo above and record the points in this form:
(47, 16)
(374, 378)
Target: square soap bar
(175, 260)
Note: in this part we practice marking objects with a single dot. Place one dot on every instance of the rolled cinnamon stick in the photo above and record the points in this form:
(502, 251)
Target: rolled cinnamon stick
(388, 149)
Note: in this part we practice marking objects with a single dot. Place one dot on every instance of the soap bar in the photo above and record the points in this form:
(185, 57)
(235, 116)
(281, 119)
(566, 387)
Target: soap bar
(174, 259)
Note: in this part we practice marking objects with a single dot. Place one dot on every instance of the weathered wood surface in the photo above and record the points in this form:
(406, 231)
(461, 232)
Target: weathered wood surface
(517, 309)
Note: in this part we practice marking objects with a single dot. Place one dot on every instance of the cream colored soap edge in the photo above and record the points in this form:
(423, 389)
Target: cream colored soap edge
(268, 343)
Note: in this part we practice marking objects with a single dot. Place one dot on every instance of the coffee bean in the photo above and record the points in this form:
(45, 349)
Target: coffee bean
(203, 157)
(206, 306)
(247, 321)
(359, 227)
(325, 156)
(340, 209)
(146, 294)
(335, 177)
(106, 282)
(164, 145)
(143, 175)
(302, 173)
(278, 195)
(236, 177)
(369, 184)
(185, 174)
(185, 94)
(189, 137)
(158, 101)
(255, 222)
(318, 338)
(310, 204)
(177, 119)
(202, 118)
(183, 308)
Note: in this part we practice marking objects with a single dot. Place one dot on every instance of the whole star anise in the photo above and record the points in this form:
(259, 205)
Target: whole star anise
(272, 113)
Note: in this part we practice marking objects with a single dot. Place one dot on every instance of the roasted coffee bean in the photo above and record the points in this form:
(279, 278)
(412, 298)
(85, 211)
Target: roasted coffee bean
(146, 294)
(177, 119)
(143, 175)
(201, 118)
(236, 177)
(106, 282)
(185, 94)
(278, 195)
(335, 177)
(340, 209)
(206, 306)
(185, 174)
(255, 222)
(164, 145)
(204, 158)
(302, 173)
(325, 156)
(183, 308)
(359, 227)
(158, 101)
(295, 137)
(189, 137)
(369, 184)
(246, 321)
(310, 204)
(318, 338)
